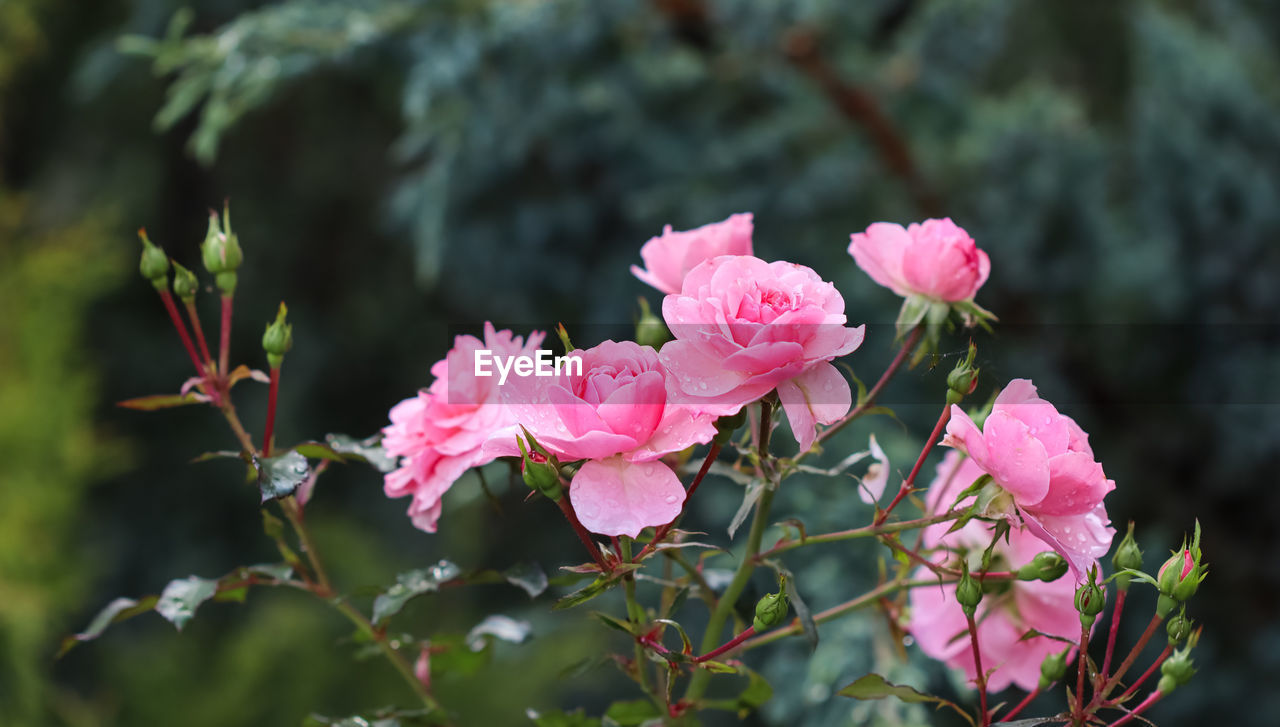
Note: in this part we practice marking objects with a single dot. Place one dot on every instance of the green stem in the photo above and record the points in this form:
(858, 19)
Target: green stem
(293, 512)
(380, 638)
(851, 605)
(635, 614)
(864, 532)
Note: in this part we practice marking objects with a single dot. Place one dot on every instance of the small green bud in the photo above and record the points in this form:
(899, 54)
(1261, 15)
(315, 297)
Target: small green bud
(1128, 557)
(541, 472)
(650, 329)
(1047, 566)
(154, 264)
(770, 611)
(963, 379)
(968, 591)
(1090, 599)
(727, 425)
(185, 284)
(1176, 671)
(221, 252)
(1178, 628)
(278, 338)
(1053, 668)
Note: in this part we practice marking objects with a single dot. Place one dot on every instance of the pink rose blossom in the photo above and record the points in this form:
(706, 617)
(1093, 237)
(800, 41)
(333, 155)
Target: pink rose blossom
(669, 257)
(744, 327)
(621, 416)
(935, 259)
(938, 622)
(1043, 459)
(1188, 564)
(438, 434)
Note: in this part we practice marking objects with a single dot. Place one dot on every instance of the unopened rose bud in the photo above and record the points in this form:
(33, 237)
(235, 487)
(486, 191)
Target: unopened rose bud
(650, 329)
(221, 252)
(540, 471)
(1128, 557)
(185, 284)
(278, 338)
(1047, 566)
(968, 591)
(770, 611)
(1178, 628)
(1181, 575)
(1176, 671)
(963, 379)
(727, 425)
(1090, 600)
(154, 264)
(1053, 668)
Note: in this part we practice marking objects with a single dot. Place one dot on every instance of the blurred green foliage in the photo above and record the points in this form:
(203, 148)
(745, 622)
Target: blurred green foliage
(400, 166)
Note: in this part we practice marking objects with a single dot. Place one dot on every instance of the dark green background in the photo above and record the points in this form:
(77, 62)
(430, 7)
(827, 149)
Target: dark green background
(400, 169)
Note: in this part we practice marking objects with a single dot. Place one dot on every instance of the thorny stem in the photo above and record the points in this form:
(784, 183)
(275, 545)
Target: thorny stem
(728, 646)
(913, 338)
(594, 550)
(1082, 666)
(269, 430)
(977, 662)
(1146, 703)
(293, 511)
(181, 327)
(1115, 629)
(199, 331)
(1145, 675)
(224, 337)
(759, 522)
(907, 484)
(1133, 655)
(863, 532)
(1021, 705)
(693, 486)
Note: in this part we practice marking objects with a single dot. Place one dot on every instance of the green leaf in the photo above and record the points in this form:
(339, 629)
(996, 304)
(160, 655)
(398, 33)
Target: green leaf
(410, 585)
(180, 599)
(114, 612)
(874, 686)
(527, 575)
(500, 627)
(318, 450)
(381, 718)
(367, 450)
(586, 593)
(451, 654)
(758, 692)
(632, 712)
(278, 571)
(159, 401)
(281, 476)
(558, 718)
(749, 498)
(221, 454)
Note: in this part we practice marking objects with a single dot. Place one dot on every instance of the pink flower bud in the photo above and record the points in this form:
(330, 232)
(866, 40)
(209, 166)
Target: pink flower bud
(1187, 564)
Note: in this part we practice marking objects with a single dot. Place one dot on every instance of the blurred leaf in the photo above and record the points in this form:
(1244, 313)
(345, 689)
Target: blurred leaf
(758, 692)
(615, 623)
(318, 450)
(381, 718)
(159, 401)
(280, 476)
(114, 612)
(452, 655)
(367, 450)
(180, 599)
(632, 712)
(527, 575)
(754, 489)
(498, 627)
(558, 718)
(874, 686)
(586, 593)
(410, 585)
(221, 454)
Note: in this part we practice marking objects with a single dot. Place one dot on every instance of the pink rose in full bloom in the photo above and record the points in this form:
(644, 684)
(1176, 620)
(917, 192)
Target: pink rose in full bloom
(935, 259)
(669, 257)
(438, 434)
(744, 327)
(617, 413)
(938, 622)
(1044, 461)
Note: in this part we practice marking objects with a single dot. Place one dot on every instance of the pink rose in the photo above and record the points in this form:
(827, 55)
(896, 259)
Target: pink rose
(1188, 564)
(439, 433)
(744, 327)
(938, 622)
(618, 414)
(935, 259)
(1044, 461)
(669, 257)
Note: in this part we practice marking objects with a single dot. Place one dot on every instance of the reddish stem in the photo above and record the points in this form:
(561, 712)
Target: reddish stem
(924, 454)
(1146, 703)
(1150, 670)
(982, 677)
(224, 340)
(912, 339)
(730, 644)
(1082, 666)
(199, 330)
(1021, 705)
(269, 431)
(693, 486)
(1111, 639)
(182, 330)
(1133, 655)
(567, 508)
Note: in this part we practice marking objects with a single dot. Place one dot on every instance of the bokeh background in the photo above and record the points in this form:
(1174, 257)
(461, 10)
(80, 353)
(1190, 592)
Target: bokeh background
(401, 169)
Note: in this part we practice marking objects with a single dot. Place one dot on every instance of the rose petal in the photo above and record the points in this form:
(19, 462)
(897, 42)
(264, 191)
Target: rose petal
(616, 497)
